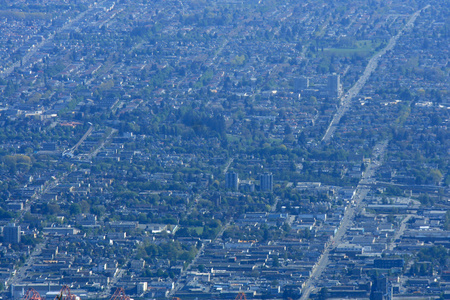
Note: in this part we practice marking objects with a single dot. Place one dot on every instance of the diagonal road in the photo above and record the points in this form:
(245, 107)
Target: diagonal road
(400, 231)
(227, 166)
(24, 60)
(346, 100)
(360, 193)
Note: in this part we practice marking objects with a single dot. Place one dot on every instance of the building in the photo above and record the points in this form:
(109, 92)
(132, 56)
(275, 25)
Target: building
(387, 263)
(349, 249)
(301, 83)
(17, 291)
(61, 230)
(49, 147)
(232, 180)
(381, 289)
(11, 234)
(266, 182)
(142, 287)
(334, 86)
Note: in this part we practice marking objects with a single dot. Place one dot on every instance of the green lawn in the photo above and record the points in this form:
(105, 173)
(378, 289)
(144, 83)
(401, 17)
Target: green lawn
(362, 47)
(198, 229)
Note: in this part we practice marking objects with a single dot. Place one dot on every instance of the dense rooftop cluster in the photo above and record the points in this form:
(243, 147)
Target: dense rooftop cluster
(183, 148)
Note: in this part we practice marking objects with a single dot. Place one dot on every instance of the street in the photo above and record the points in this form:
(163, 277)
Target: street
(347, 219)
(346, 100)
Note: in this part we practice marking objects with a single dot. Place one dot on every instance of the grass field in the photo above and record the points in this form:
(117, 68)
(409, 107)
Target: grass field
(198, 229)
(363, 47)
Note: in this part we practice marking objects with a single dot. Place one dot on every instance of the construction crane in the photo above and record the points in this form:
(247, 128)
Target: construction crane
(65, 294)
(241, 296)
(119, 294)
(31, 294)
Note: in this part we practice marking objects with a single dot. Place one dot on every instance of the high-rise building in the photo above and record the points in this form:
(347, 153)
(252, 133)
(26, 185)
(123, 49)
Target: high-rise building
(381, 289)
(301, 83)
(11, 234)
(334, 86)
(232, 180)
(266, 182)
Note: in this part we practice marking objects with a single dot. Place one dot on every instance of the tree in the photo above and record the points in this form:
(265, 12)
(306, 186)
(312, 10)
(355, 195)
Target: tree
(75, 209)
(323, 294)
(18, 162)
(291, 292)
(52, 209)
(436, 176)
(275, 262)
(363, 167)
(85, 206)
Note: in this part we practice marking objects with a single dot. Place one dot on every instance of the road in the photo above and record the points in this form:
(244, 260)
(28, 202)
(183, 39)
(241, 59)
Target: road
(179, 283)
(399, 232)
(346, 100)
(227, 166)
(36, 48)
(360, 193)
(102, 144)
(107, 291)
(88, 132)
(22, 272)
(275, 204)
(70, 152)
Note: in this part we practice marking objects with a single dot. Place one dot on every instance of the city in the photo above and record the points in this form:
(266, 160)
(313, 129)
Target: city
(224, 149)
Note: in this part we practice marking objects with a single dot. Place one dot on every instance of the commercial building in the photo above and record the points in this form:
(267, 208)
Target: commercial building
(334, 86)
(387, 263)
(301, 83)
(11, 234)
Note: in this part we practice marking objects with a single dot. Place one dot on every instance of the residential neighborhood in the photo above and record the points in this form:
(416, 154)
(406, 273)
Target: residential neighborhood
(225, 149)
